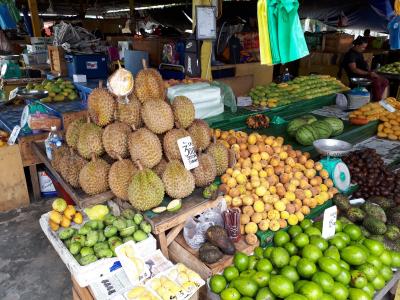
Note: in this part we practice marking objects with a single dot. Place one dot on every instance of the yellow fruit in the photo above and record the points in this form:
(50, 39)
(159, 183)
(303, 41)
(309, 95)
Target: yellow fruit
(59, 205)
(55, 216)
(263, 225)
(284, 215)
(323, 188)
(252, 139)
(235, 173)
(272, 190)
(241, 179)
(261, 191)
(274, 225)
(305, 210)
(250, 227)
(258, 206)
(78, 218)
(244, 219)
(324, 195)
(310, 173)
(247, 200)
(290, 196)
(231, 182)
(292, 220)
(54, 226)
(236, 202)
(65, 222)
(69, 212)
(308, 194)
(299, 216)
(324, 174)
(255, 157)
(279, 205)
(274, 215)
(256, 217)
(318, 166)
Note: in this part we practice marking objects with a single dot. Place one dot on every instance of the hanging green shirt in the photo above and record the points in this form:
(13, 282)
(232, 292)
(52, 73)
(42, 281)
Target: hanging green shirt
(272, 10)
(291, 42)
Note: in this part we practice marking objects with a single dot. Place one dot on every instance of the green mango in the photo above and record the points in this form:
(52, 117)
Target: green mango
(99, 246)
(103, 253)
(66, 233)
(74, 248)
(86, 251)
(88, 259)
(110, 231)
(91, 238)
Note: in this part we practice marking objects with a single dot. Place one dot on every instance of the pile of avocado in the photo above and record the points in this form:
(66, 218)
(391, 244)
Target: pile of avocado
(59, 90)
(378, 216)
(98, 239)
(393, 68)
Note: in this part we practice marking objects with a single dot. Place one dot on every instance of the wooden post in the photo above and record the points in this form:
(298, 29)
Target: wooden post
(132, 15)
(35, 18)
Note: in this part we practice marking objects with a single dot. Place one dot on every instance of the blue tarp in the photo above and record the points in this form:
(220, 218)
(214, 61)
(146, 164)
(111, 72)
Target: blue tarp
(361, 14)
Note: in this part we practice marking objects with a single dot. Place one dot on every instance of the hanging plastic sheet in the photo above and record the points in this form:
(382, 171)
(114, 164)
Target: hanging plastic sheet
(6, 20)
(291, 42)
(272, 13)
(394, 33)
(265, 46)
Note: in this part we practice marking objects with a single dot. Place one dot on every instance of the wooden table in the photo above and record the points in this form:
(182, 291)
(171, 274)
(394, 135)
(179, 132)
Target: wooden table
(80, 197)
(174, 221)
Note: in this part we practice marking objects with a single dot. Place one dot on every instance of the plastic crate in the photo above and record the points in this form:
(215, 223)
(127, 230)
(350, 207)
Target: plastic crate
(92, 65)
(85, 275)
(38, 58)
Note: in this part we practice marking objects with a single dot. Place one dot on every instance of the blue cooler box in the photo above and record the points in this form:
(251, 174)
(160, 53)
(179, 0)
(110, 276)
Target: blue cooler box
(91, 65)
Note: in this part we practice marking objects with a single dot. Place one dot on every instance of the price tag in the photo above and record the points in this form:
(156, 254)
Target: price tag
(14, 134)
(387, 106)
(329, 222)
(13, 94)
(244, 101)
(188, 154)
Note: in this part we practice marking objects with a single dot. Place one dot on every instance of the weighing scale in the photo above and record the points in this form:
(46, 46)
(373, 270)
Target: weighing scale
(9, 65)
(338, 171)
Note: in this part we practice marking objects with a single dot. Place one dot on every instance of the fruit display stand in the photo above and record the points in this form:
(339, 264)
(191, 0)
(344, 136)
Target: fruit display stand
(81, 199)
(7, 85)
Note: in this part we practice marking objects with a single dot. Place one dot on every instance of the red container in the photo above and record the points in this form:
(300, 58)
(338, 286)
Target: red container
(62, 193)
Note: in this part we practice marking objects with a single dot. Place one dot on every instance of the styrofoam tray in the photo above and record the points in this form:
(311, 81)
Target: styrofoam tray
(85, 275)
(147, 288)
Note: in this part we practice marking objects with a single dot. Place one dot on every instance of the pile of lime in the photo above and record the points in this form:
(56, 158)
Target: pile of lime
(302, 265)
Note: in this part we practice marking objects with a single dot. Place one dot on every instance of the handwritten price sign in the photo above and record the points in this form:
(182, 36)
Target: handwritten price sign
(188, 153)
(329, 222)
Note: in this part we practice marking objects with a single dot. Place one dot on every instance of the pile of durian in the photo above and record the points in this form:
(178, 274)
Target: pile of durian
(132, 148)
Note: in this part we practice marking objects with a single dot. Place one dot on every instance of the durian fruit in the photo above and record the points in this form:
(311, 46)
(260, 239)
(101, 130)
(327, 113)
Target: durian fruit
(170, 143)
(93, 177)
(129, 113)
(184, 111)
(201, 133)
(160, 167)
(120, 176)
(101, 106)
(149, 85)
(206, 172)
(221, 156)
(115, 139)
(58, 154)
(146, 189)
(72, 133)
(90, 140)
(178, 182)
(71, 166)
(121, 82)
(157, 116)
(145, 147)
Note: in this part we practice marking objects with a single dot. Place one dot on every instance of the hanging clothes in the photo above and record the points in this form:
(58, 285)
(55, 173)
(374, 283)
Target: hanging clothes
(263, 33)
(394, 33)
(291, 42)
(272, 13)
(6, 20)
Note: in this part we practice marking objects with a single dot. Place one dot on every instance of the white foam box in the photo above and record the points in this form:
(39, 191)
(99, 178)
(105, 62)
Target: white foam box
(36, 48)
(91, 273)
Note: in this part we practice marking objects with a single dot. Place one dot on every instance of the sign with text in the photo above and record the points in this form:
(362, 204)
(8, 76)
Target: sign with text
(188, 153)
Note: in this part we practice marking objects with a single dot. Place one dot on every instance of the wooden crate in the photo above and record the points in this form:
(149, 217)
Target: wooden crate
(179, 251)
(7, 85)
(14, 191)
(57, 60)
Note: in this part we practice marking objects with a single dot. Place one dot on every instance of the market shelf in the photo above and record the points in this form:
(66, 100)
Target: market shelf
(81, 199)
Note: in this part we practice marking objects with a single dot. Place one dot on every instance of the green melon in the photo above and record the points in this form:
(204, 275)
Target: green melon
(336, 124)
(306, 135)
(309, 119)
(324, 129)
(294, 125)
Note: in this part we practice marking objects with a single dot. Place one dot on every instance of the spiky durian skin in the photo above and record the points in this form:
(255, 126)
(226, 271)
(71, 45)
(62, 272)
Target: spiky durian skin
(129, 113)
(72, 133)
(58, 155)
(145, 147)
(178, 182)
(160, 167)
(93, 177)
(146, 190)
(220, 155)
(101, 106)
(184, 111)
(157, 116)
(90, 140)
(120, 176)
(170, 144)
(149, 85)
(200, 132)
(206, 172)
(70, 167)
(115, 140)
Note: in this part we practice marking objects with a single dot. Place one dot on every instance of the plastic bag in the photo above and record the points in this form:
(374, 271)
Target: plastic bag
(227, 95)
(196, 227)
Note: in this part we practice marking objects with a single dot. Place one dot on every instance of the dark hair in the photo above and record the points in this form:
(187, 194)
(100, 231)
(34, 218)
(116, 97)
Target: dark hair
(360, 40)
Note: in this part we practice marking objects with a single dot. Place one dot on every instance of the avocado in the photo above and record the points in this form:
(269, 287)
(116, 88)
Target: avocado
(209, 253)
(383, 202)
(374, 210)
(341, 201)
(128, 214)
(355, 214)
(392, 233)
(374, 226)
(218, 237)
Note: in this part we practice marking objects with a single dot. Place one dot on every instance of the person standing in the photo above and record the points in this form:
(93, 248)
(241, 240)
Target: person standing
(355, 66)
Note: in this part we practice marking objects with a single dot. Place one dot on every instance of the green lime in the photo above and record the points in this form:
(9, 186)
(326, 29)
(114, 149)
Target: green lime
(294, 230)
(230, 294)
(301, 240)
(217, 283)
(290, 248)
(264, 265)
(281, 238)
(241, 261)
(230, 273)
(305, 224)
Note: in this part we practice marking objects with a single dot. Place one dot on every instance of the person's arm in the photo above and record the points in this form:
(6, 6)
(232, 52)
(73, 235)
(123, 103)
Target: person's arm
(355, 70)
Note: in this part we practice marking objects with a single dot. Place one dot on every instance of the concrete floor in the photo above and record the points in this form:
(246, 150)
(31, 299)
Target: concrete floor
(29, 266)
